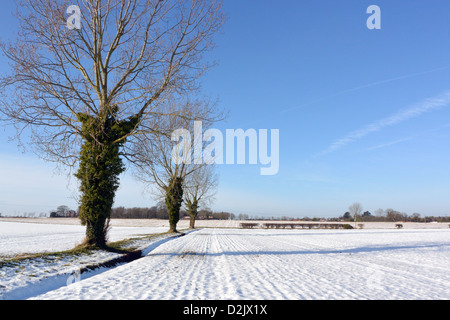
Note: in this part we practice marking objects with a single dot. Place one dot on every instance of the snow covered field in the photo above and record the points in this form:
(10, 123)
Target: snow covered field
(22, 237)
(279, 264)
(232, 264)
(26, 278)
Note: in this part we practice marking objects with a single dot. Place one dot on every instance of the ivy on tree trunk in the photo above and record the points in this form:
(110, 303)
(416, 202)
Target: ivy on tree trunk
(100, 167)
(173, 200)
(192, 209)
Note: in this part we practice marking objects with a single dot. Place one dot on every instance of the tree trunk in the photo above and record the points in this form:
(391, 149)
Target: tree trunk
(174, 198)
(192, 217)
(98, 174)
(96, 232)
(192, 209)
(100, 167)
(174, 217)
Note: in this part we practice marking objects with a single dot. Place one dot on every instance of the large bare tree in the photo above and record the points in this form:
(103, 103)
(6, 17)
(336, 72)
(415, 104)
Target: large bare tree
(79, 91)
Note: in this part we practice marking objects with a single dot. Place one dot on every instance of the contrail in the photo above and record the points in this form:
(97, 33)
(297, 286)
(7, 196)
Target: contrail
(388, 144)
(414, 111)
(411, 75)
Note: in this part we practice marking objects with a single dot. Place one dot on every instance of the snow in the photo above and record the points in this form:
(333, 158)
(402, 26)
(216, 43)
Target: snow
(34, 276)
(21, 237)
(227, 264)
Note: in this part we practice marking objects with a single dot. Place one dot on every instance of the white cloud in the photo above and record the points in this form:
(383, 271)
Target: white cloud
(414, 111)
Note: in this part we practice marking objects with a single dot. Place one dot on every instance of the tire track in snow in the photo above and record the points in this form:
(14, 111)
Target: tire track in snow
(255, 264)
(330, 278)
(268, 280)
(177, 257)
(245, 276)
(312, 283)
(387, 277)
(193, 254)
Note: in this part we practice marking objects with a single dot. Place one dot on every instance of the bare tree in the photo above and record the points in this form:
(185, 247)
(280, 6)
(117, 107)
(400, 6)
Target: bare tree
(394, 215)
(199, 189)
(379, 212)
(80, 94)
(355, 210)
(165, 160)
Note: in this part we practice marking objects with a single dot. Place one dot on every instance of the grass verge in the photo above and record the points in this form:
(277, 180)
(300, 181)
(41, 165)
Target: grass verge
(128, 248)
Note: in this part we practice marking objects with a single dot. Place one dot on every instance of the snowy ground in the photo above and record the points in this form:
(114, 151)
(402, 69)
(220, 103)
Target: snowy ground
(21, 237)
(21, 279)
(277, 264)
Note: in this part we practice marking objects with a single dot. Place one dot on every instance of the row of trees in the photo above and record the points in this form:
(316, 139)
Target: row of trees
(161, 212)
(355, 213)
(106, 95)
(155, 212)
(391, 215)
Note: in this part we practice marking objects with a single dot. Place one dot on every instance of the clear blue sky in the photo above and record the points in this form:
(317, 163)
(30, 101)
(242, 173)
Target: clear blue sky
(364, 115)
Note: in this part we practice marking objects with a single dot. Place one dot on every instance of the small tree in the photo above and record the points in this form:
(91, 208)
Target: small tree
(355, 210)
(347, 216)
(163, 162)
(379, 213)
(62, 210)
(200, 187)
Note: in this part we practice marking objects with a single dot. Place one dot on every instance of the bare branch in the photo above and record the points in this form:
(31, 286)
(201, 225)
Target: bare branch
(133, 55)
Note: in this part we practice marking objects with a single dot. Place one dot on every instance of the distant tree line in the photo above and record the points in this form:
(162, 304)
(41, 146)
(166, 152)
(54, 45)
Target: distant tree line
(208, 214)
(388, 215)
(391, 215)
(155, 212)
(161, 212)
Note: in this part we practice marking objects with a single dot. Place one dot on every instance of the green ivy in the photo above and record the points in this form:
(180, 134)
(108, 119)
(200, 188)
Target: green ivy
(192, 210)
(100, 167)
(173, 200)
